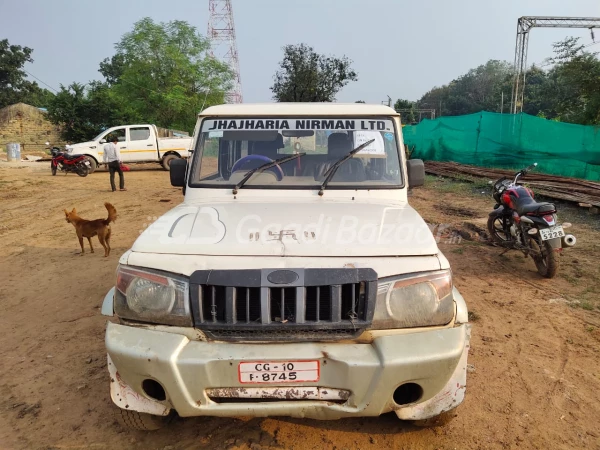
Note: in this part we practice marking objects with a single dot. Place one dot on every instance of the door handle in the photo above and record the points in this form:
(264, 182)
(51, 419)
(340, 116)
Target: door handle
(122, 147)
(93, 146)
(150, 145)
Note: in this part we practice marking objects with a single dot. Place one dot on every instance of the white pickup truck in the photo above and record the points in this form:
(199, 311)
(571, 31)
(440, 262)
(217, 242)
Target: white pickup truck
(137, 144)
(294, 279)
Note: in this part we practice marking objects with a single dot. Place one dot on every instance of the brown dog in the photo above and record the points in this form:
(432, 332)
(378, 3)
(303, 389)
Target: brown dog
(91, 228)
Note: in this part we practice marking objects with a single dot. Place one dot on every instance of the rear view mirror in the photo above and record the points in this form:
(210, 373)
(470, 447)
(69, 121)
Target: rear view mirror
(298, 133)
(177, 172)
(416, 172)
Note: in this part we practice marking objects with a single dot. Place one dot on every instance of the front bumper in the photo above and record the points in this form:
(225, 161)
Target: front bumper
(434, 359)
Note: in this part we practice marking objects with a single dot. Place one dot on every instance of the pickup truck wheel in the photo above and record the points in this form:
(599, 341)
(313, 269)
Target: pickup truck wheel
(166, 162)
(141, 421)
(93, 165)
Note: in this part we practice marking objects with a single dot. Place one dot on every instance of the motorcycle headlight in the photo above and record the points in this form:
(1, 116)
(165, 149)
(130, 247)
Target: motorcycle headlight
(415, 300)
(152, 296)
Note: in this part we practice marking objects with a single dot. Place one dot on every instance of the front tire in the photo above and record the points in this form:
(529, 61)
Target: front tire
(53, 169)
(437, 421)
(547, 261)
(82, 170)
(496, 231)
(166, 162)
(141, 421)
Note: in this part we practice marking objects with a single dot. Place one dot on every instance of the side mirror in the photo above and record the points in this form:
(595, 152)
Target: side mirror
(102, 141)
(177, 172)
(416, 172)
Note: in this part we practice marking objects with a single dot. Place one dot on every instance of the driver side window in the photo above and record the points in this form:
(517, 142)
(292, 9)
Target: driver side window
(119, 132)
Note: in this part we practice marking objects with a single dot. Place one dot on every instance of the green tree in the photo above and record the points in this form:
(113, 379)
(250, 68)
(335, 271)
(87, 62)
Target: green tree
(162, 72)
(14, 86)
(407, 117)
(306, 76)
(83, 111)
(573, 87)
(479, 89)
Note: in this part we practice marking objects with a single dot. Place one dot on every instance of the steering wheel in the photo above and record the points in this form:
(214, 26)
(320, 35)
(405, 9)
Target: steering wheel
(259, 158)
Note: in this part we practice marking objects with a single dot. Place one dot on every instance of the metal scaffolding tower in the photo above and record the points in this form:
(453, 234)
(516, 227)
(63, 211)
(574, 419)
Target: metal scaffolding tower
(524, 25)
(221, 32)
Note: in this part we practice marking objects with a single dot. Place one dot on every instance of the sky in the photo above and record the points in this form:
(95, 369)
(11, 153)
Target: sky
(399, 49)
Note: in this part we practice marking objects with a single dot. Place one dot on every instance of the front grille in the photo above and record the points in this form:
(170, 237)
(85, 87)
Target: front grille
(313, 304)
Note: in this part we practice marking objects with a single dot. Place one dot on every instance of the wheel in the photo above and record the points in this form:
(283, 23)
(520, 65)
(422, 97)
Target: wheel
(437, 421)
(82, 170)
(166, 162)
(93, 164)
(496, 230)
(546, 261)
(53, 169)
(142, 421)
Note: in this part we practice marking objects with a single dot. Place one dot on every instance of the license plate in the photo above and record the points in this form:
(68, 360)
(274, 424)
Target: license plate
(87, 163)
(552, 233)
(277, 372)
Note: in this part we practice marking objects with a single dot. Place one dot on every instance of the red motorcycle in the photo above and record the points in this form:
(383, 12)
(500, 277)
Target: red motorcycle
(69, 163)
(521, 223)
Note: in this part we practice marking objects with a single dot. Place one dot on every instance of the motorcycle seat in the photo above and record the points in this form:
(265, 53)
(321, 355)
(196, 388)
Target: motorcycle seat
(529, 206)
(68, 156)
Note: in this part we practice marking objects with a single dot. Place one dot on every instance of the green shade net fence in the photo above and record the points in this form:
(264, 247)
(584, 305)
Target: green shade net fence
(508, 141)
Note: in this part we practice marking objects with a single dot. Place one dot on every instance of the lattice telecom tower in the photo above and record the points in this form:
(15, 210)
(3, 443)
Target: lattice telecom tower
(221, 32)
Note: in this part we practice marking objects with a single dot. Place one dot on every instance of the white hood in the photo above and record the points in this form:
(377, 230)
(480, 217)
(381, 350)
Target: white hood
(294, 229)
(80, 145)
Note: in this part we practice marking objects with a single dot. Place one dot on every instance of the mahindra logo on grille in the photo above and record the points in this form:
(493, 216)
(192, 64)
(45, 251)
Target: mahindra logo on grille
(282, 277)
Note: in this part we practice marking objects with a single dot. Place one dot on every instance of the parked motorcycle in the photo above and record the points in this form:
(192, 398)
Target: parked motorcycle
(61, 160)
(521, 223)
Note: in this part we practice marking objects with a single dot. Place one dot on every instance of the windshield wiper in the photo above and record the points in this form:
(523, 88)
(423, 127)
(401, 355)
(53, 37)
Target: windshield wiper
(264, 167)
(331, 171)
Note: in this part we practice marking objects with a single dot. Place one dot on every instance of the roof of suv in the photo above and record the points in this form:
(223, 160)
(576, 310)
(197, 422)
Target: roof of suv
(299, 109)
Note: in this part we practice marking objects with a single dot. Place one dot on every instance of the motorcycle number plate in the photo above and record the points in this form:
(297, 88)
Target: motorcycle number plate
(552, 233)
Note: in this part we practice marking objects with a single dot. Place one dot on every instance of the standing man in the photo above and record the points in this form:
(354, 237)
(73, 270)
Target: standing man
(112, 157)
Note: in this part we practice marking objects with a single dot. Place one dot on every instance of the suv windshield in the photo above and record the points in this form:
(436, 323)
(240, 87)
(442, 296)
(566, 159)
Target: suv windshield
(228, 148)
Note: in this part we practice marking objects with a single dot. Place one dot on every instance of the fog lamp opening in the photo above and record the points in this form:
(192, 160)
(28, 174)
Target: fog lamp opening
(154, 390)
(407, 393)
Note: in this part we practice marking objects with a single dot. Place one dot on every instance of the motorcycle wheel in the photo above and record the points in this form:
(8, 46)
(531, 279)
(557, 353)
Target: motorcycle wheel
(82, 170)
(496, 231)
(53, 169)
(546, 261)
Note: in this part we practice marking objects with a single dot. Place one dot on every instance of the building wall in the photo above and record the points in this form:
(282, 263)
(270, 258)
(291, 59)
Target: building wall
(29, 127)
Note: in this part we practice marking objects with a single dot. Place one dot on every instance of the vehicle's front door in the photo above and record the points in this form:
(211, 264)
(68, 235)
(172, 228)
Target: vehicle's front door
(141, 145)
(121, 145)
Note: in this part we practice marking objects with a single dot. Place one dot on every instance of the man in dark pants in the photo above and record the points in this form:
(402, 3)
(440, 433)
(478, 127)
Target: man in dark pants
(112, 157)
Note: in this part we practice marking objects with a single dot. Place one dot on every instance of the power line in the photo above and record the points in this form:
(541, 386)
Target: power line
(32, 75)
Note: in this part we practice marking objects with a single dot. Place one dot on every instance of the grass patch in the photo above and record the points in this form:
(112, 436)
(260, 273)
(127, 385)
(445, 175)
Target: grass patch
(459, 250)
(473, 316)
(587, 306)
(570, 278)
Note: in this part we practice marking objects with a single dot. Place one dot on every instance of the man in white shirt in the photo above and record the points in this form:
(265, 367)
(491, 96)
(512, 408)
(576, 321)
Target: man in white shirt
(112, 157)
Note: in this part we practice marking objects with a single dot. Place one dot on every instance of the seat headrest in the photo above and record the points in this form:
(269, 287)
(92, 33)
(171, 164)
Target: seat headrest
(268, 148)
(338, 145)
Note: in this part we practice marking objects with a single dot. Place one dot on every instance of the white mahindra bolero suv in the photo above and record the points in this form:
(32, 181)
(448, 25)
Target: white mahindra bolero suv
(294, 279)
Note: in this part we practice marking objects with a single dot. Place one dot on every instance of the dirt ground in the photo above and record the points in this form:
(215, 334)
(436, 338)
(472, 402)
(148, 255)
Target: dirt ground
(534, 380)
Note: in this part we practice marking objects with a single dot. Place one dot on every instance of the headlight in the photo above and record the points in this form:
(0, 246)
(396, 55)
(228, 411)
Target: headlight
(152, 296)
(415, 300)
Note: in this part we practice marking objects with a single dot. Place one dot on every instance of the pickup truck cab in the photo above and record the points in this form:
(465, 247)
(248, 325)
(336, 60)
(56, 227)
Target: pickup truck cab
(294, 280)
(137, 144)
